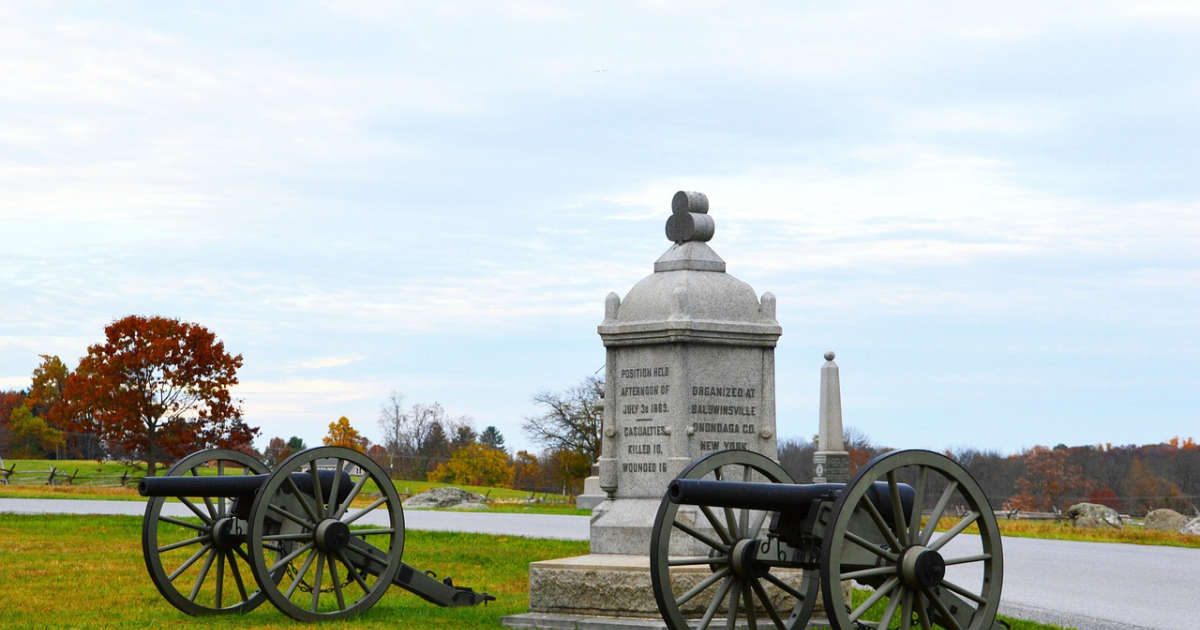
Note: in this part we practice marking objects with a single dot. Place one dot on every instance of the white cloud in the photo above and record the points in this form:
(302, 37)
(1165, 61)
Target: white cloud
(322, 363)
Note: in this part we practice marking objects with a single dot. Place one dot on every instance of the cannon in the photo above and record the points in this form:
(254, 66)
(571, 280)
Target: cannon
(737, 543)
(320, 537)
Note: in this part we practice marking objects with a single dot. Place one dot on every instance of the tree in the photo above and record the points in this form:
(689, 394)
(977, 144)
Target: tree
(476, 465)
(1048, 479)
(464, 435)
(1146, 491)
(277, 450)
(9, 401)
(32, 438)
(296, 444)
(491, 437)
(158, 387)
(572, 421)
(46, 390)
(528, 473)
(342, 434)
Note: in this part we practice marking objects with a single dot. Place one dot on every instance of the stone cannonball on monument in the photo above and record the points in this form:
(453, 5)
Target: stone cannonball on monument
(689, 220)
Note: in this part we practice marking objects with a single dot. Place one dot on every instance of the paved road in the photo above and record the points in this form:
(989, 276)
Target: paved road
(531, 525)
(1089, 586)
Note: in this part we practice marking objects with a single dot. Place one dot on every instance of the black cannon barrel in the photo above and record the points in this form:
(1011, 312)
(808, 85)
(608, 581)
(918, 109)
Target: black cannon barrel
(777, 497)
(754, 496)
(233, 486)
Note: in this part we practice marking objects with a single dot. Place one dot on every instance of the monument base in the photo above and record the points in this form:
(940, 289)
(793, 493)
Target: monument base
(592, 494)
(595, 592)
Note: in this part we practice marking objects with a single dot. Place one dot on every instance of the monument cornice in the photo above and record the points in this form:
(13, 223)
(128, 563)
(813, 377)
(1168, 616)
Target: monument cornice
(690, 331)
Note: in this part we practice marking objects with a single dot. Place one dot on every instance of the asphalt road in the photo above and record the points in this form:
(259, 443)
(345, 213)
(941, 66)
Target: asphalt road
(1088, 586)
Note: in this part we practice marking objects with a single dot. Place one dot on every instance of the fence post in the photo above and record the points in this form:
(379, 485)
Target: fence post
(50, 481)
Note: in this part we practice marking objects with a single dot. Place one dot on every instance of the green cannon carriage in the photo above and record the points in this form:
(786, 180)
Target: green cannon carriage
(320, 537)
(737, 544)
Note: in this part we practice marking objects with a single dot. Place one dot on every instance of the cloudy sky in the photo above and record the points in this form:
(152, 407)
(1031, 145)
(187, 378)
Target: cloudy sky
(990, 212)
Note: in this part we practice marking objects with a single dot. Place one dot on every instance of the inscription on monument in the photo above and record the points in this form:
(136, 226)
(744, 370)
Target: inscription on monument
(643, 392)
(724, 416)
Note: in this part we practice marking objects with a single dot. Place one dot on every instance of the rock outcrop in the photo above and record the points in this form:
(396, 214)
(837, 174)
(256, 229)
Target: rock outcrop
(1165, 520)
(447, 498)
(1093, 515)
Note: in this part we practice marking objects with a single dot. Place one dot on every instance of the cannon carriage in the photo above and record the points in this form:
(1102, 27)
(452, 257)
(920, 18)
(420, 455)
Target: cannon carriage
(320, 537)
(737, 544)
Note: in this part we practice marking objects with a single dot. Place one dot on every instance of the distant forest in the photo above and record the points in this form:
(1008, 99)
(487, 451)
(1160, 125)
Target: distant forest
(1130, 479)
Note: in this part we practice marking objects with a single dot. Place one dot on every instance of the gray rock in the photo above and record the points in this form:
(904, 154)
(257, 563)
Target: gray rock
(1192, 528)
(1093, 515)
(1165, 520)
(446, 497)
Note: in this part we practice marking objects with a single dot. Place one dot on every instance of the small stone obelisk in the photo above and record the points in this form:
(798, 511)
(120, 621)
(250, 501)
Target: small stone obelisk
(831, 462)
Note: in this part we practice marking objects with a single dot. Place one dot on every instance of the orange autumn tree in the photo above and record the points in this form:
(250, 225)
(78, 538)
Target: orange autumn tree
(342, 434)
(159, 388)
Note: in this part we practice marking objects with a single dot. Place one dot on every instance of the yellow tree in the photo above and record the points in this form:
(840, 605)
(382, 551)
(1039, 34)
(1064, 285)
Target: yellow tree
(476, 465)
(342, 434)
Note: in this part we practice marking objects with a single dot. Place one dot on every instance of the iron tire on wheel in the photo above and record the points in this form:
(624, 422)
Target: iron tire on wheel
(205, 592)
(287, 533)
(738, 526)
(862, 540)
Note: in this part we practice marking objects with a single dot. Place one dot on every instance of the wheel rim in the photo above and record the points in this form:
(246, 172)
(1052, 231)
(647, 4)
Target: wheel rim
(304, 546)
(902, 558)
(197, 566)
(700, 558)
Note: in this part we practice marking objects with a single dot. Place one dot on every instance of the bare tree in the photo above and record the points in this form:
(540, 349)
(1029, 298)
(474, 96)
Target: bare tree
(572, 421)
(415, 438)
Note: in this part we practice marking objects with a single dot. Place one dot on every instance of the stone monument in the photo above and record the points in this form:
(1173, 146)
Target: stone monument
(690, 370)
(831, 462)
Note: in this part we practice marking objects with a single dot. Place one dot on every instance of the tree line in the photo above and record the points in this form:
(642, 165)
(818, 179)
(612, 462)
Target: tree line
(1131, 479)
(156, 389)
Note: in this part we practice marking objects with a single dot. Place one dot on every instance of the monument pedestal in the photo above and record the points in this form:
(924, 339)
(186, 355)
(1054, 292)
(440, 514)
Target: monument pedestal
(602, 592)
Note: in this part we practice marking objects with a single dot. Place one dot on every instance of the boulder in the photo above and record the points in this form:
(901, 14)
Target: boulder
(1093, 515)
(1192, 528)
(445, 498)
(1165, 520)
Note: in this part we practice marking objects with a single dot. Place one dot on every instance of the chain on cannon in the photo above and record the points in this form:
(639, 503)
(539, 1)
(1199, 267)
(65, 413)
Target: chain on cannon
(736, 543)
(320, 537)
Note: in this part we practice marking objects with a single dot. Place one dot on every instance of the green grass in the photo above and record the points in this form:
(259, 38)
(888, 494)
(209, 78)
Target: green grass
(87, 572)
(65, 571)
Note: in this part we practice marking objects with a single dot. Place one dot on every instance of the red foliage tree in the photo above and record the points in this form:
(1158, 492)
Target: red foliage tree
(158, 387)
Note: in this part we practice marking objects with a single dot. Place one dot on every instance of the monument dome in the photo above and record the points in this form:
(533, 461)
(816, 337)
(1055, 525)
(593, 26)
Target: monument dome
(689, 294)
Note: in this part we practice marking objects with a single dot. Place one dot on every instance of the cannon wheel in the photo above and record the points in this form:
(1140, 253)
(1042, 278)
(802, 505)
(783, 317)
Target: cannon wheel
(906, 565)
(747, 601)
(303, 544)
(189, 550)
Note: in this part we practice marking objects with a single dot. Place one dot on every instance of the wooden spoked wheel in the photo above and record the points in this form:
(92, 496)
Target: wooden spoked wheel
(326, 534)
(717, 565)
(909, 574)
(199, 563)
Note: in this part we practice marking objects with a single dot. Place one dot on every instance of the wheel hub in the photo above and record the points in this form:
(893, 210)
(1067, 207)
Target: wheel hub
(228, 533)
(744, 557)
(921, 567)
(332, 535)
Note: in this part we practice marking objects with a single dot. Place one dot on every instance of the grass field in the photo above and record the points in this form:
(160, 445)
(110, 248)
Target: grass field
(87, 572)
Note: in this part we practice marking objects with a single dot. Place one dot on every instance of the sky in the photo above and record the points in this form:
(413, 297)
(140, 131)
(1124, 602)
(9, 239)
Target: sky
(990, 212)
